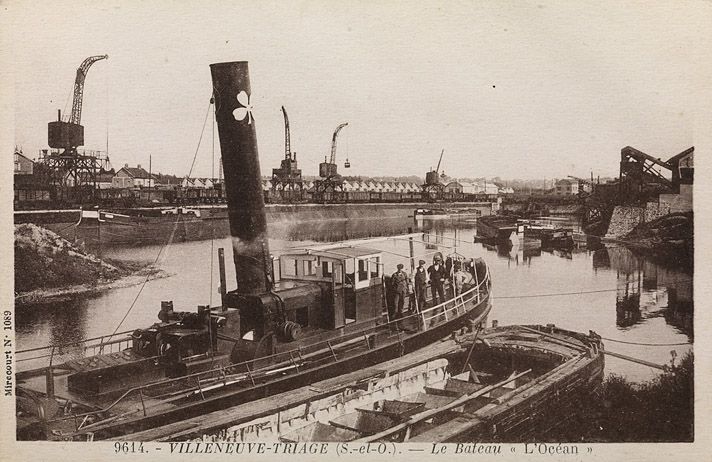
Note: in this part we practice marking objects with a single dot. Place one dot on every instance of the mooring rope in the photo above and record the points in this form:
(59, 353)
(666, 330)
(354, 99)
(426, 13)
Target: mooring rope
(557, 294)
(648, 344)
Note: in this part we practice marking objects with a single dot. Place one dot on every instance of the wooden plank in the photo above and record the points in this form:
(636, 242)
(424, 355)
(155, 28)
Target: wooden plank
(434, 412)
(537, 391)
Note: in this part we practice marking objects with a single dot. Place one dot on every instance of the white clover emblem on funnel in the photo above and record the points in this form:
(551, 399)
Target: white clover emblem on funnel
(241, 112)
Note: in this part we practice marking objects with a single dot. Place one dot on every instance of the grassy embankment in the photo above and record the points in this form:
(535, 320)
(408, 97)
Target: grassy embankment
(659, 410)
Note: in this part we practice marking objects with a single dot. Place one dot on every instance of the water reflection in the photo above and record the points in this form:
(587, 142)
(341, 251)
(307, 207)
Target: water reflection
(646, 290)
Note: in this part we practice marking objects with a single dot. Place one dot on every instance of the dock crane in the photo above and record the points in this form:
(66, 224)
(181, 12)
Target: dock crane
(328, 169)
(68, 135)
(287, 180)
(433, 188)
(330, 181)
(287, 148)
(68, 168)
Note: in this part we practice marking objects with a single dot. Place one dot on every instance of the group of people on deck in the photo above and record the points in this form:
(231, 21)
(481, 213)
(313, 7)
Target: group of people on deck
(413, 287)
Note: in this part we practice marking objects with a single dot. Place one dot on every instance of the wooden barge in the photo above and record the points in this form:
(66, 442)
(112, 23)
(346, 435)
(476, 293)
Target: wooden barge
(501, 229)
(506, 384)
(497, 228)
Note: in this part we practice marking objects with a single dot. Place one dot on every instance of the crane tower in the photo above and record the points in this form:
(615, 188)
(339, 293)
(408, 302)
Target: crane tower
(72, 174)
(287, 180)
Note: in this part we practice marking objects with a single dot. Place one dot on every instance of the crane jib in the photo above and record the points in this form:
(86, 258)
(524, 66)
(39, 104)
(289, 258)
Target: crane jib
(76, 116)
(333, 142)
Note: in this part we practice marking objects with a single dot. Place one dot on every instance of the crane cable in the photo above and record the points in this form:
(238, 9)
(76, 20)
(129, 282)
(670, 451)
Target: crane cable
(207, 113)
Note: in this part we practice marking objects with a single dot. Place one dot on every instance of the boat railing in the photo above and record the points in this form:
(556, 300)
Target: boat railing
(207, 380)
(456, 305)
(96, 345)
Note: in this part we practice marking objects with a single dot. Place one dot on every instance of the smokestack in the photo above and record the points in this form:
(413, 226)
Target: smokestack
(243, 185)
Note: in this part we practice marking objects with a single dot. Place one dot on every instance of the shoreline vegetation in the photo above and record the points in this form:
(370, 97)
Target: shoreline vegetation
(49, 268)
(659, 410)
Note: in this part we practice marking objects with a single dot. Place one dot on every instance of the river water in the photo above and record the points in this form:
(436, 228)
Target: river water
(610, 290)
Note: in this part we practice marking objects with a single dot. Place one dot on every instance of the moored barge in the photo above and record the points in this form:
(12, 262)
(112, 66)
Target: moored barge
(509, 384)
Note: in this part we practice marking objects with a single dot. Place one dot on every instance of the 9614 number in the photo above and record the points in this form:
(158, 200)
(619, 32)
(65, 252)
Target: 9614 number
(128, 448)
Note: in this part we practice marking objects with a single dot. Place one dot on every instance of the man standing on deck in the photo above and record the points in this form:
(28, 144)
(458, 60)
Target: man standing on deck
(462, 279)
(420, 276)
(400, 281)
(437, 279)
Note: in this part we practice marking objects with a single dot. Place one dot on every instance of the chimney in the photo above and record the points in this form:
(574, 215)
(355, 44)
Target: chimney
(126, 165)
(243, 185)
(138, 166)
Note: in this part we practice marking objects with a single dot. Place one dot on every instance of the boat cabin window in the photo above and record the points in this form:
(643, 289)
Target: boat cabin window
(327, 268)
(362, 270)
(288, 267)
(309, 268)
(350, 272)
(368, 268)
(375, 265)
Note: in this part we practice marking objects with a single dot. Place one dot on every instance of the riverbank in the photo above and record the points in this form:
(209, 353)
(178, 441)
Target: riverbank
(50, 268)
(658, 410)
(669, 238)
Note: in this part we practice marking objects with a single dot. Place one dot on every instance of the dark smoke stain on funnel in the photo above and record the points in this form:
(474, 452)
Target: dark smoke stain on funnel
(241, 165)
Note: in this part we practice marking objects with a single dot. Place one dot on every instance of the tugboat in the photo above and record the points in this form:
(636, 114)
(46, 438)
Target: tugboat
(307, 316)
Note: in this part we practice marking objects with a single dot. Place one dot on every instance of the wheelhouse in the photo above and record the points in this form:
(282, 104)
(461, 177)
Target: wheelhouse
(351, 277)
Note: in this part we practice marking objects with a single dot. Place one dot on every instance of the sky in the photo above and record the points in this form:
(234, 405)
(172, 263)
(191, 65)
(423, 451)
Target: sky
(511, 89)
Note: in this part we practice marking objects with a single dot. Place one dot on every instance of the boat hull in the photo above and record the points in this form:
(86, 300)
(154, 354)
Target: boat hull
(496, 228)
(528, 410)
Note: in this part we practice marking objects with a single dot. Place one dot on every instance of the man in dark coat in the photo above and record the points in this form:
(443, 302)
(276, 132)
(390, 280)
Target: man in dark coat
(420, 277)
(399, 281)
(437, 275)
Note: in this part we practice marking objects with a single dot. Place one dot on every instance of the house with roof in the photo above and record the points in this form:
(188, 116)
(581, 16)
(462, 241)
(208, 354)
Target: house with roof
(567, 187)
(133, 177)
(454, 187)
(23, 165)
(105, 179)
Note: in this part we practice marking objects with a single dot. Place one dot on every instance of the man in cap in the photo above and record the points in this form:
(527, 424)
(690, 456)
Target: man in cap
(420, 276)
(399, 281)
(437, 279)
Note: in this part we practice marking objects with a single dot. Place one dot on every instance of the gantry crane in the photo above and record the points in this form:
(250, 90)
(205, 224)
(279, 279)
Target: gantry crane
(330, 181)
(433, 188)
(287, 180)
(328, 169)
(68, 168)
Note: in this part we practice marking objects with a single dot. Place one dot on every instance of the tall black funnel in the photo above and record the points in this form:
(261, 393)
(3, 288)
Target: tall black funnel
(243, 184)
